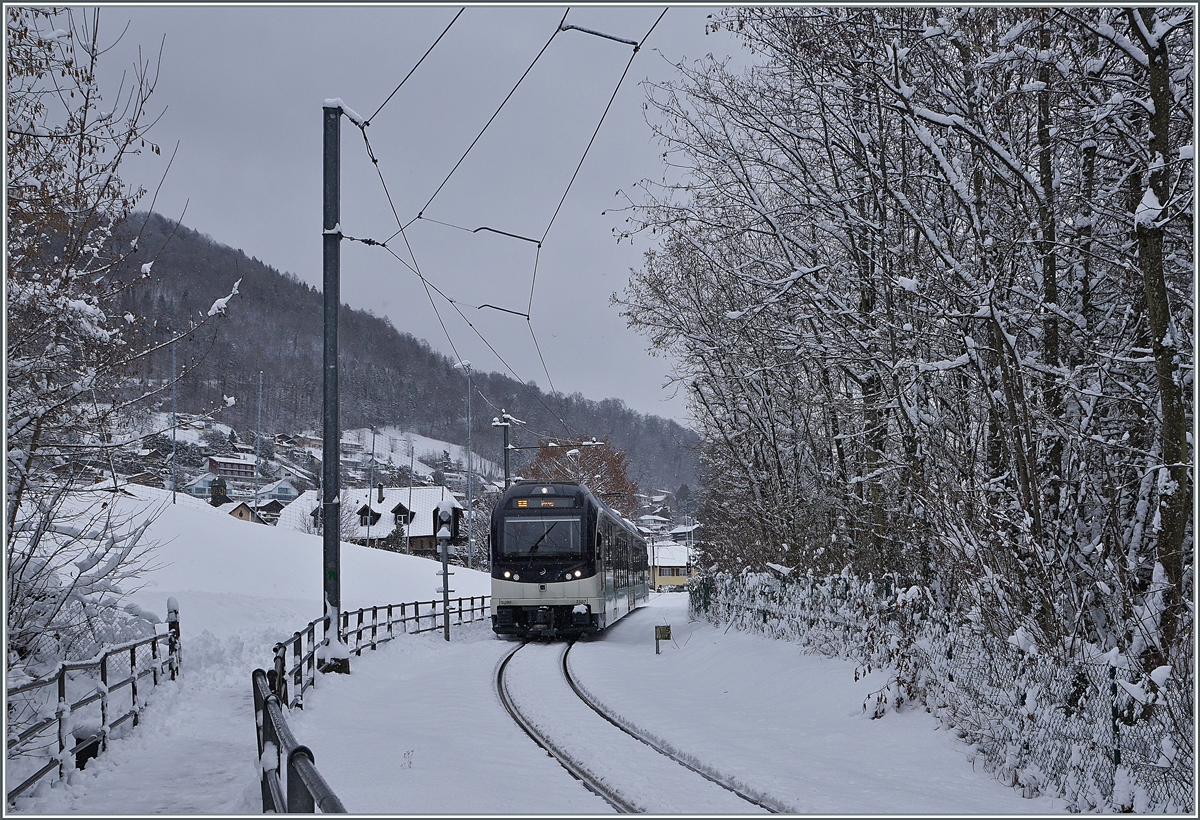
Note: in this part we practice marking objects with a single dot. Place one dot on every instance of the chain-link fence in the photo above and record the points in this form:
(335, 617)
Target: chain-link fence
(1090, 731)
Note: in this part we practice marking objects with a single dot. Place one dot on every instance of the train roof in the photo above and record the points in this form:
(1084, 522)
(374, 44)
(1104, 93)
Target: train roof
(527, 487)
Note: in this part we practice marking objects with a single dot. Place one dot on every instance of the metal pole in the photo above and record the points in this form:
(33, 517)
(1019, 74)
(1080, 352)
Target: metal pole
(412, 460)
(470, 480)
(443, 538)
(506, 424)
(370, 486)
(331, 435)
(174, 424)
(257, 436)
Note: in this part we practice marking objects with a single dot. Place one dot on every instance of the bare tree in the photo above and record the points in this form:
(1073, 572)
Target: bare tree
(602, 467)
(68, 352)
(928, 271)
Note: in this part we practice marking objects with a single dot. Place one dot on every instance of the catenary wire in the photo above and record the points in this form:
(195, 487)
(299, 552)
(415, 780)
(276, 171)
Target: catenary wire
(492, 119)
(415, 268)
(415, 67)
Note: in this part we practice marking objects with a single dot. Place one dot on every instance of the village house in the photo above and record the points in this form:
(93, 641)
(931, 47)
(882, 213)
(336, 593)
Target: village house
(200, 487)
(685, 533)
(237, 466)
(670, 566)
(395, 518)
(244, 512)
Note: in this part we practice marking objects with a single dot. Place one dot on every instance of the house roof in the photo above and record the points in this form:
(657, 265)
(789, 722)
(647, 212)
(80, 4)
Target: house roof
(684, 529)
(669, 554)
(270, 488)
(233, 458)
(249, 509)
(421, 503)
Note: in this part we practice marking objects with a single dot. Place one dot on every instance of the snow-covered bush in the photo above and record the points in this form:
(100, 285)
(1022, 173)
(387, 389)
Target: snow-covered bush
(1040, 722)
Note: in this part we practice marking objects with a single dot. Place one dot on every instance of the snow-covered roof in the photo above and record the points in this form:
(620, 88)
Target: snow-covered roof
(422, 501)
(234, 458)
(200, 480)
(684, 529)
(274, 485)
(653, 519)
(669, 554)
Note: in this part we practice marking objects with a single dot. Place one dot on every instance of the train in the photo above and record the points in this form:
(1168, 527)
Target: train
(564, 564)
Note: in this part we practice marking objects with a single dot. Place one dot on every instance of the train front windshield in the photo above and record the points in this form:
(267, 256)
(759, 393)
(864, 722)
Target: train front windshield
(529, 538)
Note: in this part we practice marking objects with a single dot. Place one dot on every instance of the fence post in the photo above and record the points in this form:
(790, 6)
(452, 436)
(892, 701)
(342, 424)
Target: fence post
(154, 659)
(357, 634)
(104, 702)
(374, 626)
(299, 800)
(1116, 728)
(173, 646)
(133, 684)
(64, 709)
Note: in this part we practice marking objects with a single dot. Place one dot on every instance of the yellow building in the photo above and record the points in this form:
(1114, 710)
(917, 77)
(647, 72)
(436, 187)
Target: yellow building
(670, 566)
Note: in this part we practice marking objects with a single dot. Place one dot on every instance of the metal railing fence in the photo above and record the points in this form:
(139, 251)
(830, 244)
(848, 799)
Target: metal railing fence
(48, 733)
(1089, 731)
(303, 790)
(305, 648)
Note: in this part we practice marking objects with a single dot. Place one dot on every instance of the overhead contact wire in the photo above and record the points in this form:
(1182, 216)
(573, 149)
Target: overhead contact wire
(493, 117)
(603, 116)
(607, 108)
(414, 68)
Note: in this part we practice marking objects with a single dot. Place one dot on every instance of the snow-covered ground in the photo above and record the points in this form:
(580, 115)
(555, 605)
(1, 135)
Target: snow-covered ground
(417, 728)
(402, 447)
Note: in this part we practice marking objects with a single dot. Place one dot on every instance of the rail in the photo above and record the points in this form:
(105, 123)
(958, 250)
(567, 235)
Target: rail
(303, 790)
(37, 706)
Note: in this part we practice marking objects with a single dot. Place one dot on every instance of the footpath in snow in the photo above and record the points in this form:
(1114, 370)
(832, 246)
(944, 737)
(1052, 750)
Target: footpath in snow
(417, 727)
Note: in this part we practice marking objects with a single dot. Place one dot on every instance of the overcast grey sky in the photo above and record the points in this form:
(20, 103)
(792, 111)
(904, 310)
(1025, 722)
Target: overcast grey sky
(243, 89)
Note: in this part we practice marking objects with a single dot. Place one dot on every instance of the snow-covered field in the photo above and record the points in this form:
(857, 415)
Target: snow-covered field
(417, 728)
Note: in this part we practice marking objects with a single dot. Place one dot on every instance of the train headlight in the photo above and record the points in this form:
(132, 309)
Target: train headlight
(578, 573)
(516, 577)
(507, 574)
(568, 576)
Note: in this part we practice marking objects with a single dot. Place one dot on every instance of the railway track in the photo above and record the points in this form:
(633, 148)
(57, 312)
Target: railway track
(591, 781)
(646, 776)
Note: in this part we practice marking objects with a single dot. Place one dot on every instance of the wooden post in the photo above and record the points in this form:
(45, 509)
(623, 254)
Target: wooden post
(104, 702)
(63, 713)
(133, 683)
(173, 646)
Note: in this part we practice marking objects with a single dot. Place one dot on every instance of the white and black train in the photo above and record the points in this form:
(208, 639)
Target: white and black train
(564, 564)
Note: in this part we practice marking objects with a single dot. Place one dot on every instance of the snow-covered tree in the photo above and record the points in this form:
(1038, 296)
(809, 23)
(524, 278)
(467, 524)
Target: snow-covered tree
(68, 353)
(929, 272)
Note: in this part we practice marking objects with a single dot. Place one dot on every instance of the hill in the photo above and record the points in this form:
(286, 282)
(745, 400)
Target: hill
(388, 377)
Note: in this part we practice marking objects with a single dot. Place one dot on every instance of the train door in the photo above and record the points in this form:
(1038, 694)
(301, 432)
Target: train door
(607, 565)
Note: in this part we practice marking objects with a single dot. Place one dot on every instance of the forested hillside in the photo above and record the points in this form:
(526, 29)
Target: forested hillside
(273, 324)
